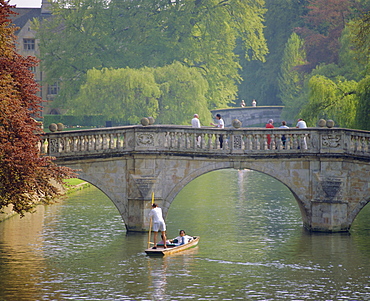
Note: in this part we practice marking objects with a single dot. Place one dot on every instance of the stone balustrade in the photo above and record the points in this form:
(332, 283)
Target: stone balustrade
(184, 139)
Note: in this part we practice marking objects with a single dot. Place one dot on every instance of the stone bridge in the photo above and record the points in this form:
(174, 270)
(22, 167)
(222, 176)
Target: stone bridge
(327, 170)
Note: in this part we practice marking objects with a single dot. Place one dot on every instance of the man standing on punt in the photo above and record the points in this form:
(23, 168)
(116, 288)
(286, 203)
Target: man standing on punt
(158, 224)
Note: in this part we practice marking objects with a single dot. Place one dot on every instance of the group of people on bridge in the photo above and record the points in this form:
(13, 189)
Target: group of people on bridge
(301, 124)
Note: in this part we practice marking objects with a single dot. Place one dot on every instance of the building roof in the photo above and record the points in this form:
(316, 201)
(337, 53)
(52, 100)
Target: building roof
(25, 14)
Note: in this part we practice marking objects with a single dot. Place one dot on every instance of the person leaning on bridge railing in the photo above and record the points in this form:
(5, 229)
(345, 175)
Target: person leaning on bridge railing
(283, 137)
(220, 124)
(195, 123)
(301, 124)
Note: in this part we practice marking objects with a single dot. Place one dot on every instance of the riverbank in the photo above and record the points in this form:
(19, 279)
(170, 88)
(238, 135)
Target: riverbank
(71, 185)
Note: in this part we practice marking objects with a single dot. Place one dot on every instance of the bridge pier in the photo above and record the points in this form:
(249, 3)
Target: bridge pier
(329, 179)
(329, 217)
(137, 212)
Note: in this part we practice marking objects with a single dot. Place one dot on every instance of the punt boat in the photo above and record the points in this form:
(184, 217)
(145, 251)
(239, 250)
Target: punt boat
(172, 248)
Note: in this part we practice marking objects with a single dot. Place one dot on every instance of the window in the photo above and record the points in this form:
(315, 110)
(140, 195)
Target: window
(53, 89)
(29, 44)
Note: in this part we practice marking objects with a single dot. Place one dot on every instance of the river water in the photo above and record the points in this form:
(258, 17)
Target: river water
(252, 247)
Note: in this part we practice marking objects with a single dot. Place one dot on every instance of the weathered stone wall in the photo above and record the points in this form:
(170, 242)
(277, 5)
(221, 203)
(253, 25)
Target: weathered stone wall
(252, 116)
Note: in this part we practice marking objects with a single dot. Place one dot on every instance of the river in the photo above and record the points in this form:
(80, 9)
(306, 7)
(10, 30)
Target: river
(252, 247)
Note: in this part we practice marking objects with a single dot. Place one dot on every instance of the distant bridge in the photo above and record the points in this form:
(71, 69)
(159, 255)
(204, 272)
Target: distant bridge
(329, 179)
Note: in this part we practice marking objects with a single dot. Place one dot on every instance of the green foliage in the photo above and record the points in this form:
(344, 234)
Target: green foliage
(260, 79)
(87, 34)
(183, 94)
(363, 108)
(329, 99)
(171, 94)
(124, 94)
(360, 30)
(291, 81)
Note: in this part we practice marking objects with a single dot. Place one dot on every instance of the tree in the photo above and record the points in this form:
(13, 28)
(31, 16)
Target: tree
(360, 30)
(260, 78)
(329, 99)
(25, 175)
(324, 24)
(183, 93)
(291, 81)
(152, 33)
(124, 94)
(170, 94)
(363, 108)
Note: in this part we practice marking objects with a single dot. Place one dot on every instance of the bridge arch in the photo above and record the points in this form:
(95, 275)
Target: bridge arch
(105, 190)
(229, 165)
(327, 170)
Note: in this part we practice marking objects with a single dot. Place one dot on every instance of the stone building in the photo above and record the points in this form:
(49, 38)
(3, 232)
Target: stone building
(27, 45)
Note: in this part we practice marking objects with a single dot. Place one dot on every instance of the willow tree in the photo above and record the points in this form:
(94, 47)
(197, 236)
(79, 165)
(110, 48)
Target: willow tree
(172, 94)
(183, 93)
(330, 99)
(152, 33)
(25, 175)
(124, 95)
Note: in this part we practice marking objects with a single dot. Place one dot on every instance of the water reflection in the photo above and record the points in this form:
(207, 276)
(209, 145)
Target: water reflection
(252, 247)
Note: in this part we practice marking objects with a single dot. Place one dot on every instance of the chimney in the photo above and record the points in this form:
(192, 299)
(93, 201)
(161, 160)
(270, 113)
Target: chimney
(45, 7)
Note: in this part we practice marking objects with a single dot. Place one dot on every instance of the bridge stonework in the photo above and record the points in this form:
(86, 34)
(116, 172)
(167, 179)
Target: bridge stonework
(329, 179)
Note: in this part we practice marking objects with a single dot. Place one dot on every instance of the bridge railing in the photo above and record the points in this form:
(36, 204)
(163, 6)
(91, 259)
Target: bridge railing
(184, 139)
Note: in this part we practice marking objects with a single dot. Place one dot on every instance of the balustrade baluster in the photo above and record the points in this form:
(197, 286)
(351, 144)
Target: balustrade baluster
(265, 145)
(225, 144)
(295, 141)
(117, 141)
(181, 139)
(279, 142)
(257, 142)
(289, 141)
(68, 145)
(167, 140)
(104, 141)
(193, 140)
(249, 144)
(172, 140)
(109, 141)
(273, 143)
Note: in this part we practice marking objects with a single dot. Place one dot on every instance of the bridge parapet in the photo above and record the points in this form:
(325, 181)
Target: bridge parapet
(184, 139)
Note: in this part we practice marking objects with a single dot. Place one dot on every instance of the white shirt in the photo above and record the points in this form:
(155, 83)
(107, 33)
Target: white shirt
(195, 123)
(220, 123)
(301, 124)
(187, 238)
(156, 213)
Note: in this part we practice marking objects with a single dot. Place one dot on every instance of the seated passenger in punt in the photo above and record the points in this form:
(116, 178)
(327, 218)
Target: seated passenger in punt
(182, 238)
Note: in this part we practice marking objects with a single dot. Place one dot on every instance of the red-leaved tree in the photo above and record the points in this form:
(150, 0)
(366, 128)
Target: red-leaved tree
(26, 177)
(325, 22)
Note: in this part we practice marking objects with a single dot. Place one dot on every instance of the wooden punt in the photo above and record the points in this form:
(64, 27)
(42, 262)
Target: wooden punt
(172, 248)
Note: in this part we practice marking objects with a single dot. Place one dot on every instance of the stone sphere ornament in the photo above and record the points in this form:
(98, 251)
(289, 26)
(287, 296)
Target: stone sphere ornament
(53, 127)
(322, 123)
(330, 123)
(144, 121)
(60, 126)
(151, 120)
(236, 123)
